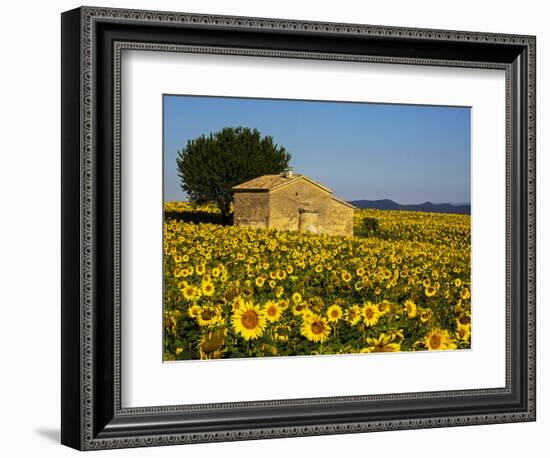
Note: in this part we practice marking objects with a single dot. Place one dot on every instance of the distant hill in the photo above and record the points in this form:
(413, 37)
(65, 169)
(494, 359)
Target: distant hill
(387, 204)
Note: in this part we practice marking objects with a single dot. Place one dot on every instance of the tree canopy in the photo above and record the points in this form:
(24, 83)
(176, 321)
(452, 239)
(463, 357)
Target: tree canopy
(210, 165)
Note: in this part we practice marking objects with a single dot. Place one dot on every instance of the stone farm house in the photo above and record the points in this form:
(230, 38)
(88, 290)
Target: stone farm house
(291, 202)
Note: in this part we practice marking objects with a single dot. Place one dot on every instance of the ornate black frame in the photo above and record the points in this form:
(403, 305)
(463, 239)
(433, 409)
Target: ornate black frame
(92, 42)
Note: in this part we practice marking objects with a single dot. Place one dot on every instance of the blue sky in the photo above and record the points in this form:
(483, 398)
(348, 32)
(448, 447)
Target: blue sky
(407, 153)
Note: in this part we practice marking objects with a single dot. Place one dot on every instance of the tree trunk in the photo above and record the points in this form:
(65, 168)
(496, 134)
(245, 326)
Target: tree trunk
(227, 216)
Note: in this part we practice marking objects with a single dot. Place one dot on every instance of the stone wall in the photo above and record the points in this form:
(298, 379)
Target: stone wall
(340, 219)
(332, 217)
(298, 206)
(251, 209)
(286, 203)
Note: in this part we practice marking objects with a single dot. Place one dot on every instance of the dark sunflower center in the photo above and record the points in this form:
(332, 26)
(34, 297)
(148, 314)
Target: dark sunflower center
(272, 311)
(435, 341)
(249, 320)
(207, 315)
(369, 313)
(283, 331)
(464, 319)
(317, 327)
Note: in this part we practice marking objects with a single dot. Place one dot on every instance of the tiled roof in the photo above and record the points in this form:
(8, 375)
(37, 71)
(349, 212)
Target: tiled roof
(272, 182)
(343, 202)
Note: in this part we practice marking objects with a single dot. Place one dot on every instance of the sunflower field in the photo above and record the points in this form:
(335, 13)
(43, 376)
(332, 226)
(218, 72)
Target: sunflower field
(234, 292)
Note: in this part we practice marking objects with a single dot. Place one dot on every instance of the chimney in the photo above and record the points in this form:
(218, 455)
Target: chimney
(288, 172)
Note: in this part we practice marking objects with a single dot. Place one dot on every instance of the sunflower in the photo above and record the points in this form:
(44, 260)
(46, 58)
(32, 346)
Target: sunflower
(315, 328)
(259, 282)
(463, 328)
(282, 332)
(426, 315)
(430, 291)
(383, 343)
(298, 309)
(230, 294)
(439, 339)
(208, 316)
(249, 321)
(279, 291)
(211, 344)
(248, 291)
(200, 269)
(384, 307)
(272, 311)
(334, 313)
(346, 276)
(171, 320)
(189, 292)
(410, 307)
(360, 271)
(297, 297)
(281, 274)
(370, 314)
(237, 303)
(353, 315)
(207, 288)
(463, 332)
(194, 310)
(458, 282)
(216, 271)
(283, 303)
(464, 319)
(315, 303)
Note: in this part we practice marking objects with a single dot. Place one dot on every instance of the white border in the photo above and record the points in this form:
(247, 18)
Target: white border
(146, 381)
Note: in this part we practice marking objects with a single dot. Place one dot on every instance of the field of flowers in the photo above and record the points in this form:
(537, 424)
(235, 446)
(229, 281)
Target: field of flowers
(238, 292)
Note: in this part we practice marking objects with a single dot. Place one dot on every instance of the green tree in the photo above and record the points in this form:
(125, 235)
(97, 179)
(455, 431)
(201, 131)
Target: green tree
(210, 165)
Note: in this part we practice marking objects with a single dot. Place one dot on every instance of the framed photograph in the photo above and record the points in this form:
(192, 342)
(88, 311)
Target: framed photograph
(276, 228)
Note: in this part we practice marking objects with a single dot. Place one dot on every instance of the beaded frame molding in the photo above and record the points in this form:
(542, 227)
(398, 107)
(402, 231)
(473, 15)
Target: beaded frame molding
(92, 42)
